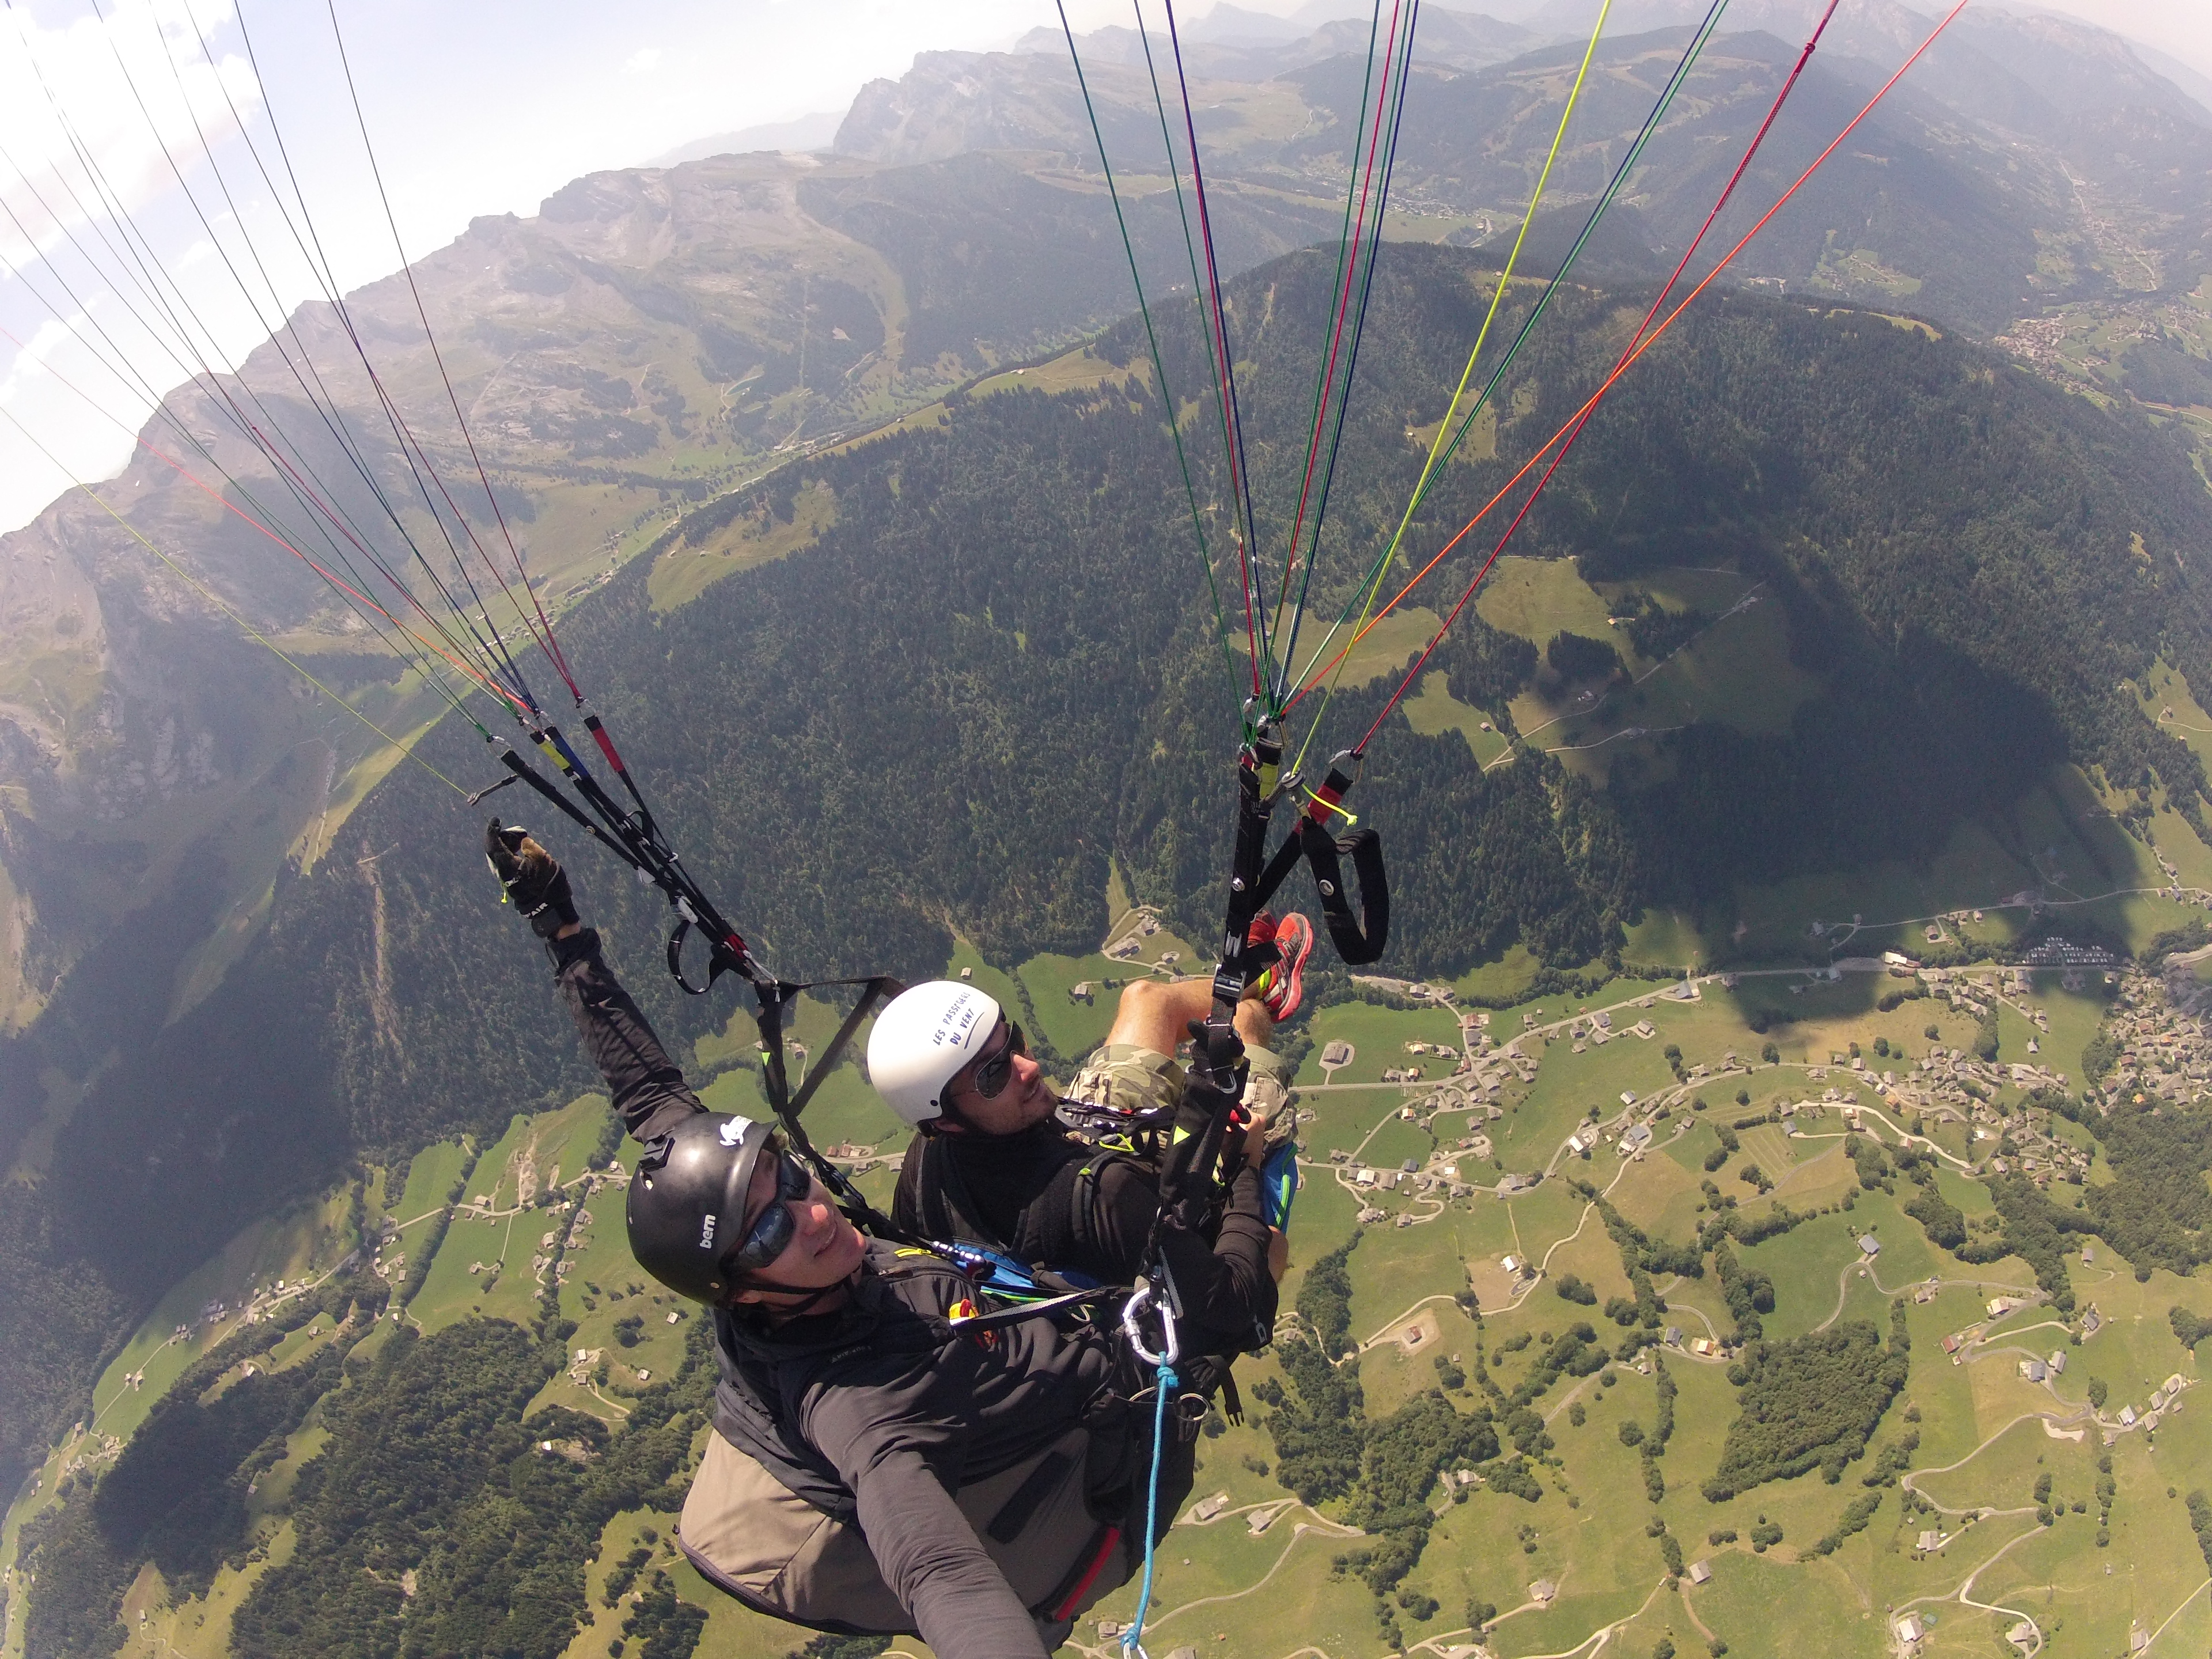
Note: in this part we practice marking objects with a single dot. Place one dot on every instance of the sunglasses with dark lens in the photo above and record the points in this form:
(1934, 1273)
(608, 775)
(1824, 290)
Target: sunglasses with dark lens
(771, 1235)
(989, 1075)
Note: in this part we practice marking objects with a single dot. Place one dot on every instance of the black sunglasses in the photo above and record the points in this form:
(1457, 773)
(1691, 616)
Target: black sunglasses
(988, 1077)
(771, 1234)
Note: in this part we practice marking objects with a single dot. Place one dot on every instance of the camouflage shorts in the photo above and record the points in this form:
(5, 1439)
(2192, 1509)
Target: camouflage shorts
(1129, 1078)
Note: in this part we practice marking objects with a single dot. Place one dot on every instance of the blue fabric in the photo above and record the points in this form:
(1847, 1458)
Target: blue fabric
(1278, 1184)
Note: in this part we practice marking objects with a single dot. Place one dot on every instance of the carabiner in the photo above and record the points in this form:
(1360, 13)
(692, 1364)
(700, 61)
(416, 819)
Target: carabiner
(1172, 1341)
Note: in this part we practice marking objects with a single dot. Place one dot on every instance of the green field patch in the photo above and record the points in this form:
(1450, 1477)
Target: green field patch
(430, 1176)
(586, 1121)
(545, 1150)
(1323, 1216)
(687, 568)
(1972, 868)
(1396, 1267)
(2000, 1472)
(1074, 1026)
(304, 1242)
(1569, 1618)
(609, 1297)
(2134, 1349)
(1342, 1117)
(2083, 859)
(2171, 702)
(732, 1630)
(272, 1492)
(2056, 1575)
(1378, 1036)
(1484, 1233)
(1501, 980)
(1391, 1373)
(508, 1166)
(1081, 370)
(1301, 1604)
(1568, 1084)
(502, 1287)
(1434, 710)
(301, 1344)
(1543, 1217)
(1393, 1142)
(1389, 644)
(1760, 1605)
(197, 1627)
(1738, 672)
(1664, 938)
(1661, 1194)
(1591, 1256)
(1539, 598)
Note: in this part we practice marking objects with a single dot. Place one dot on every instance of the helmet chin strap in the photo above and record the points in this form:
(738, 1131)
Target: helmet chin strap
(808, 1297)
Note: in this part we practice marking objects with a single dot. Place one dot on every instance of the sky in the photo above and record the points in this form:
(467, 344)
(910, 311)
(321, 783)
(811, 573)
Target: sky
(485, 108)
(481, 108)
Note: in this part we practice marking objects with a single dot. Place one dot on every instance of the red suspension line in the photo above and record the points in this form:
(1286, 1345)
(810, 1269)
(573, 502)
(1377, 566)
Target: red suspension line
(1571, 428)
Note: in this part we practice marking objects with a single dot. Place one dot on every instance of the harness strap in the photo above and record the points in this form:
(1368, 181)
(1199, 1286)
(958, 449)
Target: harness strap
(1359, 939)
(775, 999)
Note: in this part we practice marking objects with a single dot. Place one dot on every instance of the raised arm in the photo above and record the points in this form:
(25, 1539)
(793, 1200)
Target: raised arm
(647, 1087)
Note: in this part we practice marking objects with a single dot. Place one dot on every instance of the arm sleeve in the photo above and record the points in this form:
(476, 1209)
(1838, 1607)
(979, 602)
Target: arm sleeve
(929, 1557)
(649, 1093)
(897, 1442)
(1228, 1294)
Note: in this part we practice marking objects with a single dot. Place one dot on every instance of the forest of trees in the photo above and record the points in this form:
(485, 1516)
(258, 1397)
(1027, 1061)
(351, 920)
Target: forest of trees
(1810, 1402)
(2159, 1214)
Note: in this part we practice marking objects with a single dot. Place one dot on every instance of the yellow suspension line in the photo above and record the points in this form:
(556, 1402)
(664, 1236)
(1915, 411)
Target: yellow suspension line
(216, 600)
(1436, 448)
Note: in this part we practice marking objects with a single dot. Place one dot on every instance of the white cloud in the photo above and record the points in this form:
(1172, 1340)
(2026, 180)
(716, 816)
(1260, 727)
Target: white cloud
(38, 349)
(139, 93)
(642, 62)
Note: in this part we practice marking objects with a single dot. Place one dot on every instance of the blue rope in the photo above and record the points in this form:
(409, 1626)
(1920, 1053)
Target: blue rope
(1167, 1385)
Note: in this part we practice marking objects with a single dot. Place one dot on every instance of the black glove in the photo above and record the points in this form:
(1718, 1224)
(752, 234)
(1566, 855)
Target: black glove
(534, 881)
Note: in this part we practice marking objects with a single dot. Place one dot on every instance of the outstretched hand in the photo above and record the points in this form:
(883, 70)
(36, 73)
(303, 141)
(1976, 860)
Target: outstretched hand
(533, 878)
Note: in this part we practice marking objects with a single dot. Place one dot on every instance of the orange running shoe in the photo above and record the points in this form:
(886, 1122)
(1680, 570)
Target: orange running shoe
(1281, 987)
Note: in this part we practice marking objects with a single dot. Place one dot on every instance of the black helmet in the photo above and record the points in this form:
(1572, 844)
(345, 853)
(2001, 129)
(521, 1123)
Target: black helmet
(686, 1210)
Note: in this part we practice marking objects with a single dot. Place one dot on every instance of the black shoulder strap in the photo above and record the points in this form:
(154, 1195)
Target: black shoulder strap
(941, 1195)
(1061, 1228)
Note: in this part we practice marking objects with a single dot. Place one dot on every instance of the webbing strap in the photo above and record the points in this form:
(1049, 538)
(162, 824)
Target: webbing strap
(1259, 773)
(1359, 939)
(775, 999)
(976, 1323)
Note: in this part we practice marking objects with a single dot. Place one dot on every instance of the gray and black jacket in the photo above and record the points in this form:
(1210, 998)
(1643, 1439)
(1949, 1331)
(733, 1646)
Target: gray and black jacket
(877, 1412)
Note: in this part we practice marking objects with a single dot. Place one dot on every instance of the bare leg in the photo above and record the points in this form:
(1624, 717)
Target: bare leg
(1157, 1015)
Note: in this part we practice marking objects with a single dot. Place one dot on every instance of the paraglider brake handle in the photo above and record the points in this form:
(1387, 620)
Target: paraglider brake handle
(494, 788)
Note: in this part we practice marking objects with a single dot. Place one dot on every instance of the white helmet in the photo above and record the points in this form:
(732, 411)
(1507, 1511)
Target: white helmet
(921, 1039)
